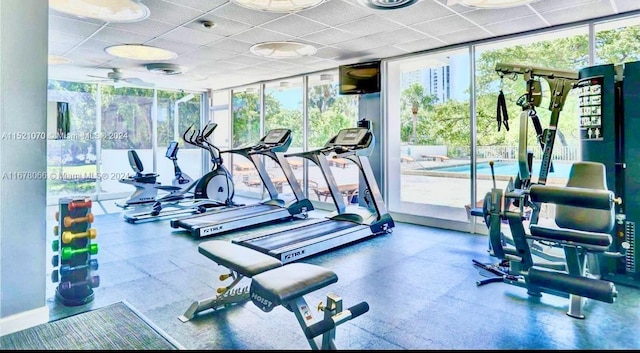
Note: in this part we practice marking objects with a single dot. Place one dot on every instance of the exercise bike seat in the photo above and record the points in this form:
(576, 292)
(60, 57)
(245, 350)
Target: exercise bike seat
(245, 261)
(283, 284)
(136, 165)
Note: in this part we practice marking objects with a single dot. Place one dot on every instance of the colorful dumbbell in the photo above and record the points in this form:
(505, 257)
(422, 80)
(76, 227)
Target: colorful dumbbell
(55, 230)
(67, 237)
(69, 221)
(55, 245)
(68, 252)
(54, 276)
(76, 204)
(55, 260)
(57, 216)
(66, 270)
(93, 282)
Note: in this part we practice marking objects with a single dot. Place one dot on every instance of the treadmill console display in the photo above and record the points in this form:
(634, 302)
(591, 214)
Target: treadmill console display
(277, 136)
(350, 137)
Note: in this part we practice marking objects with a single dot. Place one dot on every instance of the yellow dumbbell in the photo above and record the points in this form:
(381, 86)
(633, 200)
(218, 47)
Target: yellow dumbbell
(67, 237)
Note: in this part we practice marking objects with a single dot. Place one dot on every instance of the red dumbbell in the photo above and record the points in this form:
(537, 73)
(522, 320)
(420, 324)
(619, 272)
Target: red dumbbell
(75, 204)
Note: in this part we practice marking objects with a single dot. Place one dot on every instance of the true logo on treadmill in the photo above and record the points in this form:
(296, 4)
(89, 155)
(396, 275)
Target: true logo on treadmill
(294, 254)
(211, 229)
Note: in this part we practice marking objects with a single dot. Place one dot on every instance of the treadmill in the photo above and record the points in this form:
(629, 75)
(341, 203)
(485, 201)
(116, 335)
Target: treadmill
(344, 226)
(272, 145)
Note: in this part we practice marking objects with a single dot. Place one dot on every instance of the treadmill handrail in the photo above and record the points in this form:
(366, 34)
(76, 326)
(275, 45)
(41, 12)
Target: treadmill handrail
(306, 154)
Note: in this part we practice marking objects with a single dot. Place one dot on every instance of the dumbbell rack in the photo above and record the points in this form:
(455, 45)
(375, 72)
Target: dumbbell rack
(74, 249)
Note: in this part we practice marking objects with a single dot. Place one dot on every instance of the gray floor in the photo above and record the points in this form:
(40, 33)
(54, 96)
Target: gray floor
(418, 281)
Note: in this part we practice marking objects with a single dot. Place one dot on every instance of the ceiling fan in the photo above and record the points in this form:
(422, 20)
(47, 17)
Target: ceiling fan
(119, 79)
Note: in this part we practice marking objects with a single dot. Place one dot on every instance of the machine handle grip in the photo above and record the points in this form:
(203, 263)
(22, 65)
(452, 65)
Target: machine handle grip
(325, 325)
(319, 328)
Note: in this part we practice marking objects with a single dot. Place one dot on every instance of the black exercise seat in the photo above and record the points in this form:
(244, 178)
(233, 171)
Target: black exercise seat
(281, 285)
(136, 165)
(591, 240)
(243, 260)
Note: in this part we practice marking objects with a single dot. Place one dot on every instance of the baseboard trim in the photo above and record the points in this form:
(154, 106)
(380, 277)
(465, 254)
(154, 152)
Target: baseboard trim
(24, 320)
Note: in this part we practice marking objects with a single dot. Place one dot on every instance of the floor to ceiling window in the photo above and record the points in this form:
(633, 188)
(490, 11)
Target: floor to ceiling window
(246, 107)
(283, 109)
(429, 134)
(71, 158)
(177, 111)
(561, 50)
(328, 113)
(126, 124)
(617, 41)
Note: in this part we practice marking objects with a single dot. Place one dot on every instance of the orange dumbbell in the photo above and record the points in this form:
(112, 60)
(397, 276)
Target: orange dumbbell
(68, 221)
(75, 204)
(67, 237)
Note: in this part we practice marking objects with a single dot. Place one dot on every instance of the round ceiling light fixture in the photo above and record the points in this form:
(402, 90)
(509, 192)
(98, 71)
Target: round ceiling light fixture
(278, 5)
(282, 49)
(140, 52)
(387, 4)
(490, 4)
(105, 10)
(58, 60)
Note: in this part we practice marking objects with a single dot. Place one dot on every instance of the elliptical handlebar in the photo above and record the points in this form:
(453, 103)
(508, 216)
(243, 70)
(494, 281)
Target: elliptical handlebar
(194, 137)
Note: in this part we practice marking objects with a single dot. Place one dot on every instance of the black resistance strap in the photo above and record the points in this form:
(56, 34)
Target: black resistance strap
(501, 112)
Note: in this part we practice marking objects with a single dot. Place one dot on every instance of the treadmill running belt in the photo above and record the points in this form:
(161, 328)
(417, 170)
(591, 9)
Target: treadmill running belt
(232, 213)
(297, 235)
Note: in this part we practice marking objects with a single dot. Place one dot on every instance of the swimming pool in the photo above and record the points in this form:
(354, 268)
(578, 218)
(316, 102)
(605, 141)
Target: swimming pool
(510, 168)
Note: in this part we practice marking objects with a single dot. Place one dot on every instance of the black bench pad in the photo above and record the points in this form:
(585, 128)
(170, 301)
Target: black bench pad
(570, 235)
(278, 286)
(245, 261)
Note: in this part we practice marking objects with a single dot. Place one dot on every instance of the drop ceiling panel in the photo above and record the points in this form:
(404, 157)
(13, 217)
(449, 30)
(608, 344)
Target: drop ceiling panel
(202, 5)
(330, 52)
(305, 60)
(578, 13)
(212, 53)
(294, 25)
(336, 12)
(552, 5)
(179, 47)
(516, 25)
(60, 43)
(370, 25)
(223, 26)
(627, 5)
(278, 65)
(234, 12)
(359, 44)
(191, 36)
(259, 35)
(444, 25)
(486, 16)
(420, 12)
(464, 36)
(149, 27)
(330, 36)
(244, 60)
(114, 35)
(419, 45)
(402, 35)
(71, 26)
(170, 12)
(231, 45)
(383, 52)
(457, 8)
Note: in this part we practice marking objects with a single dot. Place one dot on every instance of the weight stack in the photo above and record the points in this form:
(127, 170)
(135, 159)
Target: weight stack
(74, 248)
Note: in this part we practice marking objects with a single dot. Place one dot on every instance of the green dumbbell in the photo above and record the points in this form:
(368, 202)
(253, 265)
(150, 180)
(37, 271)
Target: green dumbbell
(68, 252)
(55, 245)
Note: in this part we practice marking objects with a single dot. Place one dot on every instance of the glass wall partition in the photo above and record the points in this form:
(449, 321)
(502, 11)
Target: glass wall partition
(246, 128)
(562, 50)
(429, 134)
(71, 158)
(328, 113)
(617, 41)
(126, 124)
(177, 111)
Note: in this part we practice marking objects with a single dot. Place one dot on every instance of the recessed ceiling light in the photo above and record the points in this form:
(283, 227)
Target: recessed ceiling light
(58, 60)
(164, 68)
(283, 49)
(387, 4)
(278, 5)
(140, 52)
(490, 4)
(105, 10)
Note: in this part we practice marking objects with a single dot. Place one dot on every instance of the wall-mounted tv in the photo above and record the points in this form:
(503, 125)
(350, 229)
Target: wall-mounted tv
(360, 78)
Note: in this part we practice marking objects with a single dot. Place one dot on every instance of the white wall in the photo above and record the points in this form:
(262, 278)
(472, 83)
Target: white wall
(23, 105)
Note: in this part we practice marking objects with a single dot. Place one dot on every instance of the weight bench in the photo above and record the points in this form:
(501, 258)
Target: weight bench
(274, 284)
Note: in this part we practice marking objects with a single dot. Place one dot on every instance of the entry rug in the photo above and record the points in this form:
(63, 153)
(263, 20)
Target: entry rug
(113, 327)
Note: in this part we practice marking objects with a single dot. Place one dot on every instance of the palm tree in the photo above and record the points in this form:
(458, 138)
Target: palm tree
(415, 97)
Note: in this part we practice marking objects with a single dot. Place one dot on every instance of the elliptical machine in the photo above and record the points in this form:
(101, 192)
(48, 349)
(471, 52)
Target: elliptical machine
(186, 196)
